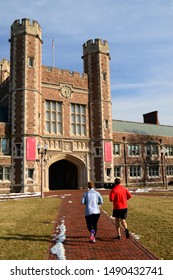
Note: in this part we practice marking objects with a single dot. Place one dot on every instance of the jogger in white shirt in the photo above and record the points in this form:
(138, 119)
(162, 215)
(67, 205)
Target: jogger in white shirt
(92, 200)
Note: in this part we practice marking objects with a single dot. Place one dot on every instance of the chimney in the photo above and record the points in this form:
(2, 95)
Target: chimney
(151, 117)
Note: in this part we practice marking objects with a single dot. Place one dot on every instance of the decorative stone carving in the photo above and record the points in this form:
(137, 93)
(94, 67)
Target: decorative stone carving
(65, 91)
(67, 146)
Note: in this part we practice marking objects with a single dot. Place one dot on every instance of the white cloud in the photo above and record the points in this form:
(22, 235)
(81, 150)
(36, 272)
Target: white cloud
(154, 84)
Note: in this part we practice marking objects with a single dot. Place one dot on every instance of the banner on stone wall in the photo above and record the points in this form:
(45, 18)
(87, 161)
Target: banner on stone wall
(108, 151)
(30, 148)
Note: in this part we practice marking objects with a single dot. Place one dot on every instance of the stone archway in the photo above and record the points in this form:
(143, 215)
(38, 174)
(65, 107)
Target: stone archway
(76, 172)
(63, 174)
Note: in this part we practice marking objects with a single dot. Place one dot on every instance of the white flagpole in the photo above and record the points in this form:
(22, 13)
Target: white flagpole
(53, 52)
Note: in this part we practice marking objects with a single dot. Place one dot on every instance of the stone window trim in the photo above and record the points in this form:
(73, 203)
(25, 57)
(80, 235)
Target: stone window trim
(78, 119)
(104, 76)
(5, 173)
(108, 172)
(5, 146)
(134, 150)
(18, 150)
(169, 170)
(30, 173)
(53, 117)
(98, 151)
(169, 151)
(153, 171)
(135, 171)
(106, 124)
(116, 149)
(152, 150)
(31, 61)
(117, 171)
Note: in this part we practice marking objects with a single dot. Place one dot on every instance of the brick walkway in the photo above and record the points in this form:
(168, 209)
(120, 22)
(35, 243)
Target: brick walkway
(77, 244)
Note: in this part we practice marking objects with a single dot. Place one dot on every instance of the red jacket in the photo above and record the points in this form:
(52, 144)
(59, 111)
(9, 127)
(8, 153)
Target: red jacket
(119, 196)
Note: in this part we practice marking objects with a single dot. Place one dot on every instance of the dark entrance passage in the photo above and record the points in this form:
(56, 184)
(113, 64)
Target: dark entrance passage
(63, 175)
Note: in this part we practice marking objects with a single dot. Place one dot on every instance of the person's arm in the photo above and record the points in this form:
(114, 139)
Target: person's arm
(100, 200)
(83, 200)
(111, 196)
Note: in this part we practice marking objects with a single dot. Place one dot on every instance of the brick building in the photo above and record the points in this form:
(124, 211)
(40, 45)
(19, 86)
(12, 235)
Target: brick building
(56, 127)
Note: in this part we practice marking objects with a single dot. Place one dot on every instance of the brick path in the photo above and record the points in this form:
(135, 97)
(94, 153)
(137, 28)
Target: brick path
(77, 244)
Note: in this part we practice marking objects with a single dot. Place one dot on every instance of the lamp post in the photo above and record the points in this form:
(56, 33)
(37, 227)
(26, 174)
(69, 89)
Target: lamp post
(163, 153)
(42, 152)
(125, 161)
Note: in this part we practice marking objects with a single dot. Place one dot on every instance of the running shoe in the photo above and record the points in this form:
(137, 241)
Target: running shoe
(118, 237)
(127, 233)
(92, 237)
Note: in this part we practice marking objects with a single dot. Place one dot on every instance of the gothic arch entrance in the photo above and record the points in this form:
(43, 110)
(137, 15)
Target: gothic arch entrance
(63, 174)
(65, 171)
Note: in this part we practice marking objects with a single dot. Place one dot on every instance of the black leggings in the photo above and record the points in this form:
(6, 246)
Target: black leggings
(91, 221)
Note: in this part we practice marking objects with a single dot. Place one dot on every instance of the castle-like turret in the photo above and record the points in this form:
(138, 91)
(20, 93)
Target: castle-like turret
(97, 45)
(96, 58)
(25, 92)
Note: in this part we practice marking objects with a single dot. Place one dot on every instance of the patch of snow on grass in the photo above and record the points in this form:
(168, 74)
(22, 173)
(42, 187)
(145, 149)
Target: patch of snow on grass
(4, 197)
(143, 190)
(136, 236)
(58, 248)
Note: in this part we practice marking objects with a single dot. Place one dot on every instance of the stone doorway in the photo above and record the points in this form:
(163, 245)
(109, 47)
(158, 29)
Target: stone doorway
(63, 174)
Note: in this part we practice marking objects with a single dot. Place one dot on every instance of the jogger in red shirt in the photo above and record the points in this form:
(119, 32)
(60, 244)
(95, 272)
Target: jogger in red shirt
(119, 196)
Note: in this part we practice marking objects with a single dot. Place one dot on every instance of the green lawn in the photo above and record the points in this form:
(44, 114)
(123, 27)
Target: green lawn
(26, 226)
(151, 218)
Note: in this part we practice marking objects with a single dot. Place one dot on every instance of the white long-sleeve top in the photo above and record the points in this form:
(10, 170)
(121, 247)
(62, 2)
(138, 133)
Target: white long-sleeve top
(92, 200)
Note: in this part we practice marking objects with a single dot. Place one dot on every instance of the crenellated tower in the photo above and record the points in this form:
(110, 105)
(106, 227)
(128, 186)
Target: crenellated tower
(25, 93)
(96, 59)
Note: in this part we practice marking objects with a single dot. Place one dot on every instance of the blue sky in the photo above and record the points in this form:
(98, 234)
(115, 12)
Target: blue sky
(140, 37)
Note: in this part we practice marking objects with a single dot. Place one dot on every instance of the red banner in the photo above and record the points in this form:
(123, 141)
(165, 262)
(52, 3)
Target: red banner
(30, 148)
(108, 151)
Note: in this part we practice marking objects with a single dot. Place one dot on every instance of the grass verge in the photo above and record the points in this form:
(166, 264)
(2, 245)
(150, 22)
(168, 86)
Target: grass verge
(150, 217)
(26, 227)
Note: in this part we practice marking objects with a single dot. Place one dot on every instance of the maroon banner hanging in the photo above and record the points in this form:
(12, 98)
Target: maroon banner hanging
(108, 151)
(30, 148)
